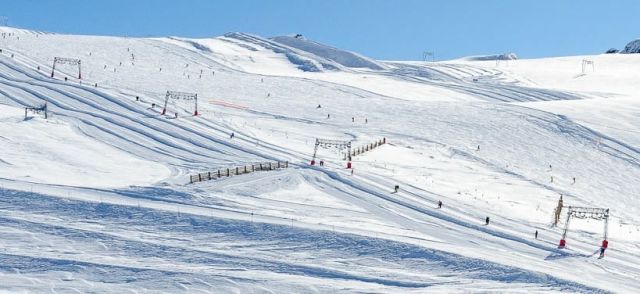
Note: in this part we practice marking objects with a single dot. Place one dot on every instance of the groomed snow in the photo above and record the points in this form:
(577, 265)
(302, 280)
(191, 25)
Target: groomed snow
(52, 152)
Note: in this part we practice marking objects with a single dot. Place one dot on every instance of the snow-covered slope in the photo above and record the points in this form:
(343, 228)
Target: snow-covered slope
(49, 151)
(345, 58)
(505, 56)
(502, 140)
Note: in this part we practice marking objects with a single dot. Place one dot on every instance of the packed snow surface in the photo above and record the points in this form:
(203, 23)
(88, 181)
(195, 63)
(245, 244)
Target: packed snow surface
(96, 198)
(76, 160)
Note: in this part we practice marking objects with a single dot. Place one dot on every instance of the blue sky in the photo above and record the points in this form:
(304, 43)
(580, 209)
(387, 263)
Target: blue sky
(393, 30)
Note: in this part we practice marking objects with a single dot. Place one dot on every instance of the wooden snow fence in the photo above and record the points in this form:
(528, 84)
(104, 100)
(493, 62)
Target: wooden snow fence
(238, 170)
(367, 147)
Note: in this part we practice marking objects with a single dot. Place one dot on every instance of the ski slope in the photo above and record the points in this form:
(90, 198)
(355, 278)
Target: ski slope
(95, 198)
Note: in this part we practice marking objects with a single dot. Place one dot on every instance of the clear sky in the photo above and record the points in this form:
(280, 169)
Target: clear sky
(383, 29)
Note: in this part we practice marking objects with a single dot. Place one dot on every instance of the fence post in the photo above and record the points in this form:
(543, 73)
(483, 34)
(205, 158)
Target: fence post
(190, 179)
(245, 169)
(261, 166)
(199, 178)
(286, 164)
(278, 164)
(253, 168)
(218, 174)
(227, 172)
(209, 176)
(237, 169)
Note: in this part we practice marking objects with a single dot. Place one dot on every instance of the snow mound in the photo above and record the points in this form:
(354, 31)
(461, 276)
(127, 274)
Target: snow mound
(505, 56)
(632, 47)
(342, 57)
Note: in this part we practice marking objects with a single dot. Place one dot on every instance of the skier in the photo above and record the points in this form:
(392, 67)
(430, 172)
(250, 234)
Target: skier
(536, 234)
(478, 148)
(486, 220)
(352, 172)
(439, 204)
(65, 79)
(137, 98)
(396, 188)
(574, 180)
(366, 121)
(604, 246)
(232, 135)
(328, 116)
(319, 106)
(176, 115)
(353, 119)
(321, 162)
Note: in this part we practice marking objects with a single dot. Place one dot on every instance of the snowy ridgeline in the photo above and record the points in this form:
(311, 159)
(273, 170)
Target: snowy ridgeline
(345, 58)
(505, 56)
(94, 198)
